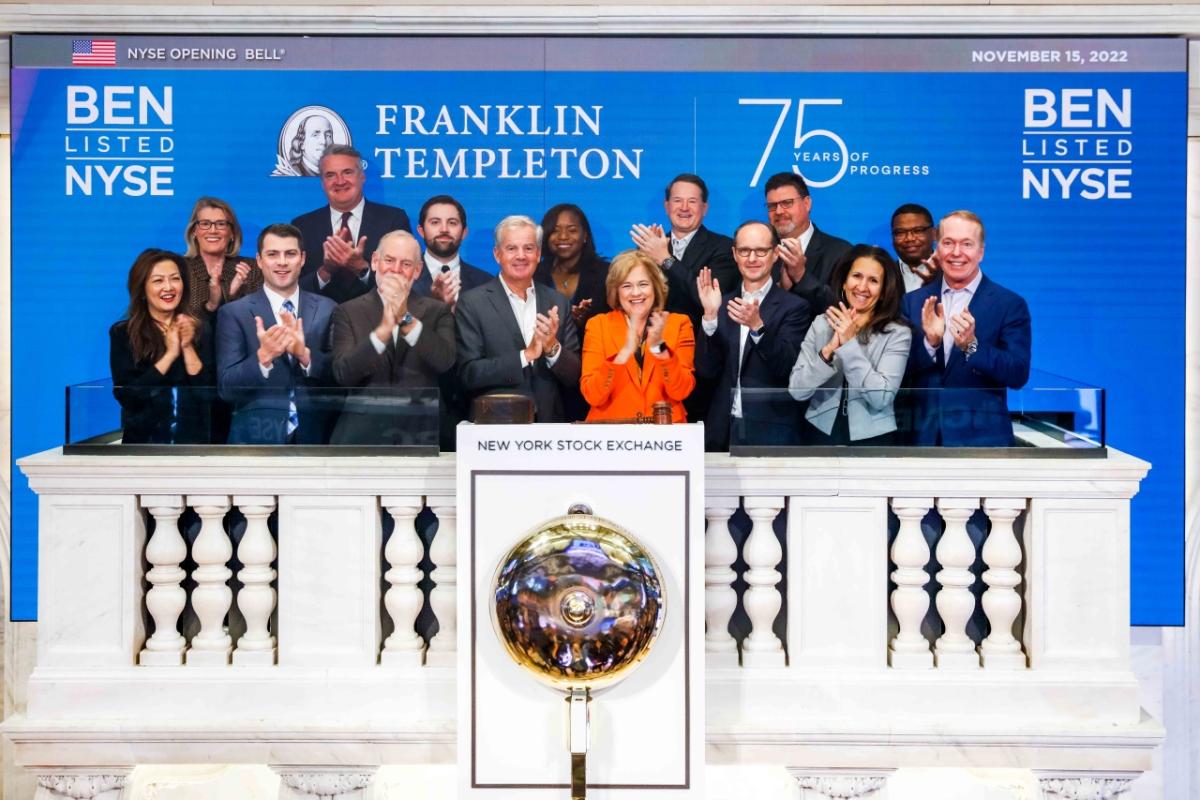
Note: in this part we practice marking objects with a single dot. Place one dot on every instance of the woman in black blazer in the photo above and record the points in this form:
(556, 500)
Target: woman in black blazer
(161, 357)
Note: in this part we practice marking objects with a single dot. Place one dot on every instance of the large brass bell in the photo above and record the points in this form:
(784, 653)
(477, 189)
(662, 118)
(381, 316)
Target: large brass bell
(578, 602)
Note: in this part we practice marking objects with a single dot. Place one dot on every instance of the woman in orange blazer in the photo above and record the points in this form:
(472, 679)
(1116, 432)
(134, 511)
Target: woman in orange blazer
(637, 354)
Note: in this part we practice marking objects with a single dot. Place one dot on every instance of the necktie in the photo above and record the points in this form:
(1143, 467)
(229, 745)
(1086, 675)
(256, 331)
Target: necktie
(293, 419)
(344, 230)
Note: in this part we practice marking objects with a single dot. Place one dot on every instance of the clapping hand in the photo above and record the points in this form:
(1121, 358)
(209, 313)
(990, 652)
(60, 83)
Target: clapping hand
(272, 342)
(654, 328)
(962, 328)
(928, 269)
(652, 241)
(185, 327)
(710, 293)
(240, 273)
(791, 253)
(446, 286)
(631, 341)
(933, 321)
(296, 346)
(579, 311)
(343, 253)
(745, 313)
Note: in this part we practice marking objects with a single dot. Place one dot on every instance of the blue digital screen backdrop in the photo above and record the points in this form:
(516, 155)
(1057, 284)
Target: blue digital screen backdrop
(1071, 150)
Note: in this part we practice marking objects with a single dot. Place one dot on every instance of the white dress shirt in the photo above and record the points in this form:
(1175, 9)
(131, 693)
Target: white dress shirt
(710, 327)
(678, 246)
(526, 313)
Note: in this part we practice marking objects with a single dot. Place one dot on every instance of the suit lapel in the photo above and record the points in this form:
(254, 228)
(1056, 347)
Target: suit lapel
(504, 311)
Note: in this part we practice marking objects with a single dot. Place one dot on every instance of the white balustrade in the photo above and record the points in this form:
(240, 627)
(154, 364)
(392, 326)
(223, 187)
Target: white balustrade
(762, 601)
(443, 552)
(256, 598)
(955, 603)
(910, 602)
(212, 597)
(1001, 602)
(835, 706)
(403, 597)
(720, 598)
(166, 599)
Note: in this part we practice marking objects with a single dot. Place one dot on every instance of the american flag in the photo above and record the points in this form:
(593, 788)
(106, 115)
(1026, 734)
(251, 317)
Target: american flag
(93, 52)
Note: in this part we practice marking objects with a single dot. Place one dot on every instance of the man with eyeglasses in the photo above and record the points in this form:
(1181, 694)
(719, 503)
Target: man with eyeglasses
(689, 246)
(341, 237)
(974, 348)
(913, 235)
(807, 255)
(393, 337)
(749, 340)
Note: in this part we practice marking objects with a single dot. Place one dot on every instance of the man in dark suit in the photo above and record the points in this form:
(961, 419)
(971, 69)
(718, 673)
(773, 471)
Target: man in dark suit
(390, 338)
(976, 345)
(514, 335)
(342, 236)
(748, 343)
(272, 347)
(444, 275)
(689, 246)
(807, 255)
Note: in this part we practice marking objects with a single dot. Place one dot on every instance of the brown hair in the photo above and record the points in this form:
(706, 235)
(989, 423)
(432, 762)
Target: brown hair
(624, 264)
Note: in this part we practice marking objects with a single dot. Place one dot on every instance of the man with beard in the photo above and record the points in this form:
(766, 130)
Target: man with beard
(912, 239)
(443, 225)
(807, 254)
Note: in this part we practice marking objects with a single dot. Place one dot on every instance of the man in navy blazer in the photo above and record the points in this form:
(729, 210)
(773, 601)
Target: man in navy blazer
(341, 237)
(749, 340)
(272, 346)
(976, 345)
(442, 223)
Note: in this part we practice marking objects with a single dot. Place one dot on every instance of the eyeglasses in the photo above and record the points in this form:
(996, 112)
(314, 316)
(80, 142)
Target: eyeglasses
(206, 224)
(904, 233)
(786, 205)
(746, 252)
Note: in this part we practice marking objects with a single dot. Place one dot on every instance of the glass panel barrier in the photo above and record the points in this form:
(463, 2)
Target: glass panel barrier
(143, 419)
(1049, 416)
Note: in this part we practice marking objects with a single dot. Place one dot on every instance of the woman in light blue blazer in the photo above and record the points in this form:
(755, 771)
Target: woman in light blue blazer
(853, 358)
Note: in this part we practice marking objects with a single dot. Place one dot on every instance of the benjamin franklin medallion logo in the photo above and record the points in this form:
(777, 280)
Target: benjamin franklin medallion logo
(304, 138)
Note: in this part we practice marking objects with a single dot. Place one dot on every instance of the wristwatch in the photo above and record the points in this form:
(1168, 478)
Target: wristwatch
(761, 330)
(970, 349)
(407, 319)
(554, 352)
(669, 262)
(659, 348)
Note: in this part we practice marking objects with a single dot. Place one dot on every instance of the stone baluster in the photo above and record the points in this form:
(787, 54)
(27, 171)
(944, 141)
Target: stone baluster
(256, 598)
(1001, 602)
(212, 596)
(762, 600)
(443, 552)
(910, 602)
(955, 603)
(403, 598)
(720, 598)
(165, 551)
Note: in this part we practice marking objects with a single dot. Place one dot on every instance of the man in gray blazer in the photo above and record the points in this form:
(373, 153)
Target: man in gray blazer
(388, 339)
(515, 336)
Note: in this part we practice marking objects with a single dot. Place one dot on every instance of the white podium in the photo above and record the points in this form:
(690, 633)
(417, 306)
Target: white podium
(647, 732)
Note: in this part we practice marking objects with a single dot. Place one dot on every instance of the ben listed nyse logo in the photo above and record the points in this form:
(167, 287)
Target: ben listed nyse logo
(1077, 143)
(119, 139)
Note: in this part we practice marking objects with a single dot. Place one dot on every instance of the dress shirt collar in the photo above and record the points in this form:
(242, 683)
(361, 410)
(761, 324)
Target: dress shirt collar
(759, 293)
(276, 300)
(680, 244)
(530, 293)
(434, 265)
(970, 288)
(356, 215)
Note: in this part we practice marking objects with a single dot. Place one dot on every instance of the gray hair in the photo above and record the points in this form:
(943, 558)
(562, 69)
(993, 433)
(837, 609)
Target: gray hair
(403, 235)
(341, 150)
(518, 221)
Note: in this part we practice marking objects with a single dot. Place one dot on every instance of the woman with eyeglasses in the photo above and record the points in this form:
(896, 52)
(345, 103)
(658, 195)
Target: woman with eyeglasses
(161, 357)
(854, 355)
(216, 273)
